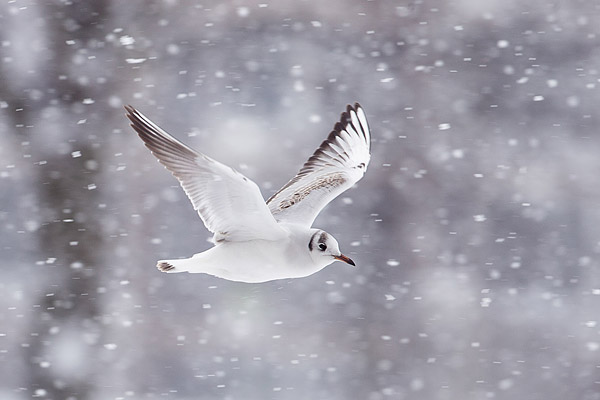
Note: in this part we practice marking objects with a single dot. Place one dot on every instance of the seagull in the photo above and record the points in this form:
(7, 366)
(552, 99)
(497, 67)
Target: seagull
(257, 241)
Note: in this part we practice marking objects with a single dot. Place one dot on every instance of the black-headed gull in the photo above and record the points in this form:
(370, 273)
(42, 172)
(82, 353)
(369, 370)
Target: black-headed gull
(257, 241)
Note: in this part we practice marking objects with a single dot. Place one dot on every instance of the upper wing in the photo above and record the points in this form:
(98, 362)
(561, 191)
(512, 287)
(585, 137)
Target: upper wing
(229, 204)
(335, 166)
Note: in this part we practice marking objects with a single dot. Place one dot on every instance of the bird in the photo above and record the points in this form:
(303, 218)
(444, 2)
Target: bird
(257, 241)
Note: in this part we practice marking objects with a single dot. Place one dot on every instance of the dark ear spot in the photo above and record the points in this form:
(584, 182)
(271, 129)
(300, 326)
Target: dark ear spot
(311, 241)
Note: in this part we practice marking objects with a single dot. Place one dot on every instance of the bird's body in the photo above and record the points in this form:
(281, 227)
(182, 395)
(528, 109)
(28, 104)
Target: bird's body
(257, 241)
(254, 261)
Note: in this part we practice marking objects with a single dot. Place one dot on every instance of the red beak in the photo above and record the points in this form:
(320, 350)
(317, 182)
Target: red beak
(345, 259)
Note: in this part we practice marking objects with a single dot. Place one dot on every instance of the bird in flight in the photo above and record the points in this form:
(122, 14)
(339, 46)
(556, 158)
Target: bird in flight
(257, 241)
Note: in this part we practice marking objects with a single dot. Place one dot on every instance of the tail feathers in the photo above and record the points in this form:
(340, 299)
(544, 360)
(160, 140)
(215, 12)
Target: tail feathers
(171, 266)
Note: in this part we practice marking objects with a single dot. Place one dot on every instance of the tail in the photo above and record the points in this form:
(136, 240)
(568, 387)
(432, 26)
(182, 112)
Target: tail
(172, 266)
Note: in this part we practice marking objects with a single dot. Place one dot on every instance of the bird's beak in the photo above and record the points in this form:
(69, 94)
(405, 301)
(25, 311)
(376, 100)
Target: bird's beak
(345, 259)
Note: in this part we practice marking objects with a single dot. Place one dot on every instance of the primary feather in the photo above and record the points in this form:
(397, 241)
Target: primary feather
(230, 205)
(335, 166)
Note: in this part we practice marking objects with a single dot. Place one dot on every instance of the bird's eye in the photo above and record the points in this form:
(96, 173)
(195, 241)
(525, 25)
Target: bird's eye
(322, 246)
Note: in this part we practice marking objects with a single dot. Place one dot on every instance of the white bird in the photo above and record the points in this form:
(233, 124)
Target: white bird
(256, 241)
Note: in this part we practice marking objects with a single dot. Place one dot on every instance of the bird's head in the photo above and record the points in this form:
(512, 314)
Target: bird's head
(324, 249)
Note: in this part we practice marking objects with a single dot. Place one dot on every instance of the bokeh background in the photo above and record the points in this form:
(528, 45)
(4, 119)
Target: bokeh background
(476, 229)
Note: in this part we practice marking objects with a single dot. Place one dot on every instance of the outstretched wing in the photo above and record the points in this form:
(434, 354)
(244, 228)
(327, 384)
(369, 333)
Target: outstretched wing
(230, 205)
(335, 166)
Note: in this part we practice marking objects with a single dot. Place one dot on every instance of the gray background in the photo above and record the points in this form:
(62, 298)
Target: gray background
(475, 230)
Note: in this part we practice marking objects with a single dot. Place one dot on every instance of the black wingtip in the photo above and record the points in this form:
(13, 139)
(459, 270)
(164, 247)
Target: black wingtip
(131, 114)
(130, 109)
(135, 123)
(352, 107)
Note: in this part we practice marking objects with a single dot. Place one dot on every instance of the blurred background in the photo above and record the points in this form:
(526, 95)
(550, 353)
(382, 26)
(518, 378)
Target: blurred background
(476, 229)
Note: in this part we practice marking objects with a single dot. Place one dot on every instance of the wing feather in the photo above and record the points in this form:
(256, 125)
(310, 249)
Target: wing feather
(230, 205)
(339, 162)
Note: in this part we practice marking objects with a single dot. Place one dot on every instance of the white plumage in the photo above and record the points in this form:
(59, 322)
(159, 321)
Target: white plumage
(257, 241)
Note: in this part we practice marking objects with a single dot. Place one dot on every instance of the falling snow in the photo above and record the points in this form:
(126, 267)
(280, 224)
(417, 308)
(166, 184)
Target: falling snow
(475, 231)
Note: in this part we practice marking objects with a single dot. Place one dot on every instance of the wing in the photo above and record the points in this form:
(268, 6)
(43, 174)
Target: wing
(335, 166)
(229, 204)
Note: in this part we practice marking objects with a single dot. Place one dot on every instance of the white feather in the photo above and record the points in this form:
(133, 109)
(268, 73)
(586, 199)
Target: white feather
(230, 205)
(259, 243)
(335, 166)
